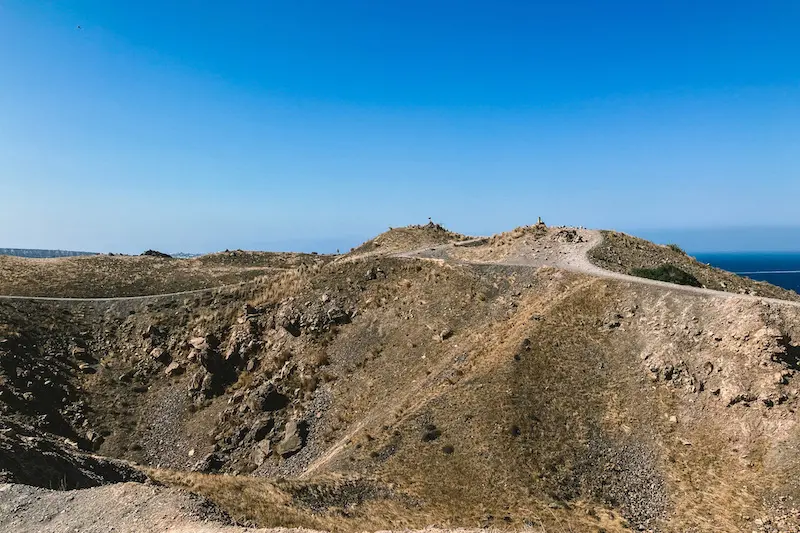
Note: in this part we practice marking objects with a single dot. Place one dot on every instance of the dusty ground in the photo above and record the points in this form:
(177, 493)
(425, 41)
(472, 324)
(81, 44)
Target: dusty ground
(136, 508)
(505, 382)
(121, 507)
(103, 276)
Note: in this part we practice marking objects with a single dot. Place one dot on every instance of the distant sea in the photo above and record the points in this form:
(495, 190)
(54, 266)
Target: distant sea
(782, 269)
(39, 254)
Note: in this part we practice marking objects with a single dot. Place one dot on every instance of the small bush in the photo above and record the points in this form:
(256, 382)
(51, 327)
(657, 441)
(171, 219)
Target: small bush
(675, 248)
(321, 358)
(668, 273)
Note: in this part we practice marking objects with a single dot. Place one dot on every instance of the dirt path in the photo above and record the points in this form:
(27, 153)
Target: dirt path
(572, 256)
(122, 508)
(566, 256)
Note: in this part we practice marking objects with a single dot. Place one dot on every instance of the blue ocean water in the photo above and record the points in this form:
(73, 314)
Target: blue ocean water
(782, 269)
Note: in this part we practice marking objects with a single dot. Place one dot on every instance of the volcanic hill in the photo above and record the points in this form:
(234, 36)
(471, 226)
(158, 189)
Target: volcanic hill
(425, 379)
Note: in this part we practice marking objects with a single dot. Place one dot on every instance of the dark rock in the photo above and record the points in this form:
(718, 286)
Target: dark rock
(337, 316)
(431, 433)
(266, 398)
(289, 321)
(174, 369)
(745, 398)
(86, 368)
(81, 354)
(95, 439)
(210, 359)
(210, 463)
(260, 429)
(160, 355)
(32, 457)
(207, 385)
(151, 331)
(238, 435)
(156, 253)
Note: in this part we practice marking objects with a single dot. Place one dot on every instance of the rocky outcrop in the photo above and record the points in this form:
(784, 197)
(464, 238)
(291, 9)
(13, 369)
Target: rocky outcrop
(311, 317)
(156, 253)
(36, 458)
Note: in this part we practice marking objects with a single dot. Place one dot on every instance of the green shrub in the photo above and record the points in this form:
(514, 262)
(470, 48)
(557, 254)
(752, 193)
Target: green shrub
(668, 273)
(675, 248)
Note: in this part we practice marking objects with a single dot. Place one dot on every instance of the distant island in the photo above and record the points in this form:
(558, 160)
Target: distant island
(33, 253)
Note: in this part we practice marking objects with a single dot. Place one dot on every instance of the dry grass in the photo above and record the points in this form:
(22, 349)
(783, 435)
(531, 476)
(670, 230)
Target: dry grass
(338, 506)
(468, 396)
(111, 276)
(273, 289)
(501, 246)
(405, 239)
(625, 254)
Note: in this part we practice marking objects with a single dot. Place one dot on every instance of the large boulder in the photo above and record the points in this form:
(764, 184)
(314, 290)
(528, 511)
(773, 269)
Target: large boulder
(292, 439)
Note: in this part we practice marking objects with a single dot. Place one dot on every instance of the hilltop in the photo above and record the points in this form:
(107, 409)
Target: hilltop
(405, 239)
(523, 380)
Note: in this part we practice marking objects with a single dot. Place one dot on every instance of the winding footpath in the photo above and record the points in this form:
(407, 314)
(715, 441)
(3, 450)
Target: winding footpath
(574, 257)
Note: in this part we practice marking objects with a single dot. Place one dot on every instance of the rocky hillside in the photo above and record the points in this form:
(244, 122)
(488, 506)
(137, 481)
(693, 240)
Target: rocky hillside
(625, 254)
(384, 392)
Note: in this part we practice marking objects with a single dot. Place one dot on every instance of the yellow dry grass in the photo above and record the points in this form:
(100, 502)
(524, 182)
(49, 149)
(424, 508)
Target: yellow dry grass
(103, 276)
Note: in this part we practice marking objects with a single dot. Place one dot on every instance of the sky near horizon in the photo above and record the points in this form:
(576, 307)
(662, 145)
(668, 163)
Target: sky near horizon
(313, 125)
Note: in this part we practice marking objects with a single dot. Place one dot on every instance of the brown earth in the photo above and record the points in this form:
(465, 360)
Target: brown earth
(622, 253)
(107, 276)
(408, 238)
(503, 383)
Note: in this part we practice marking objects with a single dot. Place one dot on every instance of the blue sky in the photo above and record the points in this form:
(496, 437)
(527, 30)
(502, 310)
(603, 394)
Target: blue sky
(198, 126)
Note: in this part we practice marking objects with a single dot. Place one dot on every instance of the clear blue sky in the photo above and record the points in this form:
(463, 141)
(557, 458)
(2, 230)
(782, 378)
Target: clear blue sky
(196, 126)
